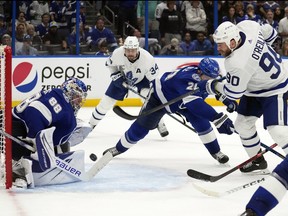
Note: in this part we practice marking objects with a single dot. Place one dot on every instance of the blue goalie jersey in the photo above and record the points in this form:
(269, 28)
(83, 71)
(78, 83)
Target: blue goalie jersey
(46, 109)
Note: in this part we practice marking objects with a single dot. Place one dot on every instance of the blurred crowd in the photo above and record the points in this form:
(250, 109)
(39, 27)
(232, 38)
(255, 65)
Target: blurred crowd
(175, 27)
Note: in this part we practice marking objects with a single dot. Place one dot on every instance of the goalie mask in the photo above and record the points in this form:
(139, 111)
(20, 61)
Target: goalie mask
(76, 92)
(209, 67)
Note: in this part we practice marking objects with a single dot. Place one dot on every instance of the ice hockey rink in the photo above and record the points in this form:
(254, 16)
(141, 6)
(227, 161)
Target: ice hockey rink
(149, 179)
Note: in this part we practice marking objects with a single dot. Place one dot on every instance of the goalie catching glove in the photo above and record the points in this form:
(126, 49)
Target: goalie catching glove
(223, 123)
(230, 104)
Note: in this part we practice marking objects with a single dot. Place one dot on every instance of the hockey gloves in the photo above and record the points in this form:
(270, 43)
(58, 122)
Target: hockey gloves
(230, 104)
(118, 79)
(223, 123)
(207, 87)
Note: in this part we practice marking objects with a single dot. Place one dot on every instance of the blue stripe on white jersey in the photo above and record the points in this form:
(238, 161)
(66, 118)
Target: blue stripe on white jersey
(232, 94)
(280, 86)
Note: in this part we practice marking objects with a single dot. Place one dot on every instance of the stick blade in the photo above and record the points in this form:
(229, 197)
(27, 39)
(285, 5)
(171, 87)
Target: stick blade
(198, 175)
(120, 112)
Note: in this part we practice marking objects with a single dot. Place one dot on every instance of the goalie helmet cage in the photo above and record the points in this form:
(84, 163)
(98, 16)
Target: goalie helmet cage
(5, 116)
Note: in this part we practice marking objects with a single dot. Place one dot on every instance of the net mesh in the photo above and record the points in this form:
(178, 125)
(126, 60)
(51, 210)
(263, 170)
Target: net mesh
(2, 118)
(5, 116)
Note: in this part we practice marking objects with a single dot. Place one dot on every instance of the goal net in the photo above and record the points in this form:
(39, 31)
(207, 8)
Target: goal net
(5, 116)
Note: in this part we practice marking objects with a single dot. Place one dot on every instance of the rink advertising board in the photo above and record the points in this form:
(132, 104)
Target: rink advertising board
(30, 75)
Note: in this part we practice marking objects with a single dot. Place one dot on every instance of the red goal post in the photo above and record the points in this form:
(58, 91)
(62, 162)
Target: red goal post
(5, 116)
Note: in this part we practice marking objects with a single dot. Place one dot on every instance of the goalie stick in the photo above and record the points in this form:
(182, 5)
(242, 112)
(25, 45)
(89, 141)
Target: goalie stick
(205, 177)
(227, 192)
(120, 113)
(127, 116)
(66, 167)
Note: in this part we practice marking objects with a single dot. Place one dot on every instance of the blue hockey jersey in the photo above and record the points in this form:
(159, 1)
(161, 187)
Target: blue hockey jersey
(46, 109)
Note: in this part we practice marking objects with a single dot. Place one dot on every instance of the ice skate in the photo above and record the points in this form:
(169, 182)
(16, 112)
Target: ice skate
(259, 166)
(113, 150)
(220, 157)
(162, 129)
(249, 212)
(22, 173)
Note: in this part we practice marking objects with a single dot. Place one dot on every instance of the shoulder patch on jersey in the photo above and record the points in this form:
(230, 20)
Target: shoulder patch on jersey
(196, 77)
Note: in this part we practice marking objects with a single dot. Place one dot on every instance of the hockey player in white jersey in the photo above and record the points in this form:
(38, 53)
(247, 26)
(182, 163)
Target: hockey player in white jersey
(256, 75)
(130, 66)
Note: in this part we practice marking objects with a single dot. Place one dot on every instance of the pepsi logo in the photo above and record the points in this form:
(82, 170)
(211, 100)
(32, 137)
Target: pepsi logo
(24, 78)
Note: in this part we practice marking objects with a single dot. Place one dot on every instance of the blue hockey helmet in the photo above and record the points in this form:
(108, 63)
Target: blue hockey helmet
(209, 67)
(76, 92)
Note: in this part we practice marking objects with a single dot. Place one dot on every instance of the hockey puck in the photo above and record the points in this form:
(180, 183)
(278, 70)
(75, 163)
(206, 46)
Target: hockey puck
(93, 157)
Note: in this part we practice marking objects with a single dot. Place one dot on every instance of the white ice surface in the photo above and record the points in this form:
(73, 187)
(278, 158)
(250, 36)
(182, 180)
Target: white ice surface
(149, 179)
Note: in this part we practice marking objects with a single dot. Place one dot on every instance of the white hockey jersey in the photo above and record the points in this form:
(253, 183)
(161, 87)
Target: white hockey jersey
(255, 69)
(144, 66)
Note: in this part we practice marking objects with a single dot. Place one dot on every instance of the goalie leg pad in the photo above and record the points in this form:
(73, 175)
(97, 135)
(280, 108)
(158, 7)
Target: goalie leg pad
(45, 148)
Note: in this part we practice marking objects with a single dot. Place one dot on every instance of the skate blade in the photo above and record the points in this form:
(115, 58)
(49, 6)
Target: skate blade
(258, 172)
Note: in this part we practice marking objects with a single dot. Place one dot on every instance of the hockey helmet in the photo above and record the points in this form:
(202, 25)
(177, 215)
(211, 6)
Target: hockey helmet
(225, 32)
(76, 92)
(131, 42)
(209, 67)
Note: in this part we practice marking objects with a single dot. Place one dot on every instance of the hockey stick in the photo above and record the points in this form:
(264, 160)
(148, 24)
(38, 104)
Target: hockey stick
(169, 114)
(205, 177)
(228, 192)
(66, 167)
(127, 116)
(273, 151)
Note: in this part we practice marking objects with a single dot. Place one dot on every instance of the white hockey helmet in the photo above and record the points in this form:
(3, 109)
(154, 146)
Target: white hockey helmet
(131, 42)
(225, 32)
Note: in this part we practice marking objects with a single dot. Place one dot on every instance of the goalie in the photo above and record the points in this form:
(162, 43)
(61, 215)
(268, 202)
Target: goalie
(47, 122)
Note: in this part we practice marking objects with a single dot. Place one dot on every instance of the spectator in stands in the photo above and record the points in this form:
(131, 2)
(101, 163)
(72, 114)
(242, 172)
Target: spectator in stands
(98, 32)
(6, 39)
(127, 13)
(35, 39)
(231, 16)
(196, 19)
(3, 27)
(26, 48)
(21, 19)
(137, 33)
(250, 14)
(53, 37)
(20, 32)
(103, 49)
(57, 10)
(283, 26)
(284, 50)
(153, 25)
(270, 20)
(240, 11)
(43, 28)
(172, 48)
(187, 45)
(170, 24)
(278, 14)
(37, 9)
(23, 6)
(268, 5)
(81, 36)
(201, 43)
